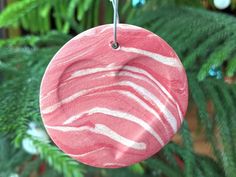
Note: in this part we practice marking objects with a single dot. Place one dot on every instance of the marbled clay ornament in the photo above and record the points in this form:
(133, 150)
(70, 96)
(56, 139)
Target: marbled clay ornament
(111, 108)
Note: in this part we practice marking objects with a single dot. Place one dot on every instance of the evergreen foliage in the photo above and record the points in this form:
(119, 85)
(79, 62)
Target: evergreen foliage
(201, 38)
(10, 158)
(42, 16)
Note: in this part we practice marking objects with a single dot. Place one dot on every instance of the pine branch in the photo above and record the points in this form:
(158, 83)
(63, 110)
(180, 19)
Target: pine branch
(189, 28)
(199, 97)
(10, 157)
(231, 66)
(226, 137)
(189, 158)
(58, 160)
(157, 164)
(14, 12)
(34, 16)
(209, 167)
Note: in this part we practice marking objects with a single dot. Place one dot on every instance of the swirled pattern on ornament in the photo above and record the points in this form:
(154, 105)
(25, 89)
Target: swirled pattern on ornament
(110, 107)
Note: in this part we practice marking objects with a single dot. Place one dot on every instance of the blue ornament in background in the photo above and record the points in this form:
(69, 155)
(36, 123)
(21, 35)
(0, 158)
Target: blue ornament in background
(219, 75)
(215, 72)
(212, 72)
(137, 3)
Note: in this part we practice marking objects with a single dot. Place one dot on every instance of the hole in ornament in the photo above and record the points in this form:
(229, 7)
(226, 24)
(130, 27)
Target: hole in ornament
(115, 45)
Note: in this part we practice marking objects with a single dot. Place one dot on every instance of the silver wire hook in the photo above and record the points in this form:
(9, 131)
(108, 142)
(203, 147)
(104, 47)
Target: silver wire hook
(115, 44)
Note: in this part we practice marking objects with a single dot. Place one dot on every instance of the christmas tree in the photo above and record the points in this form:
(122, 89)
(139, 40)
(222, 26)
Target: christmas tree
(203, 33)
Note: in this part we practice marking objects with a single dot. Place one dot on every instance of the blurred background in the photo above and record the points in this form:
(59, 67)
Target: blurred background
(202, 32)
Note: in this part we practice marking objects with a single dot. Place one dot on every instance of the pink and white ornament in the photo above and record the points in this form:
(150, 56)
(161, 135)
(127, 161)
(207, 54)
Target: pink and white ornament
(110, 107)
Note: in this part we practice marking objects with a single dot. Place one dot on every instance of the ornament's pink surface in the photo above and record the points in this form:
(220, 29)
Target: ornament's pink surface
(112, 108)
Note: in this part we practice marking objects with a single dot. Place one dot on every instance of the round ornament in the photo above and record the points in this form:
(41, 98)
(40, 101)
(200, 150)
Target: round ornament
(222, 4)
(111, 108)
(14, 175)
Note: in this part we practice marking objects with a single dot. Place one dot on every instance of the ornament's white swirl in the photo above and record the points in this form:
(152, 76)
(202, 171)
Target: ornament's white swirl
(141, 90)
(137, 100)
(112, 67)
(102, 130)
(88, 153)
(170, 61)
(116, 114)
(114, 164)
(88, 71)
(163, 92)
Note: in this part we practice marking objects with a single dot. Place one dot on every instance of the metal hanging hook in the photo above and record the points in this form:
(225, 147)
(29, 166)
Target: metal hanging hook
(115, 44)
